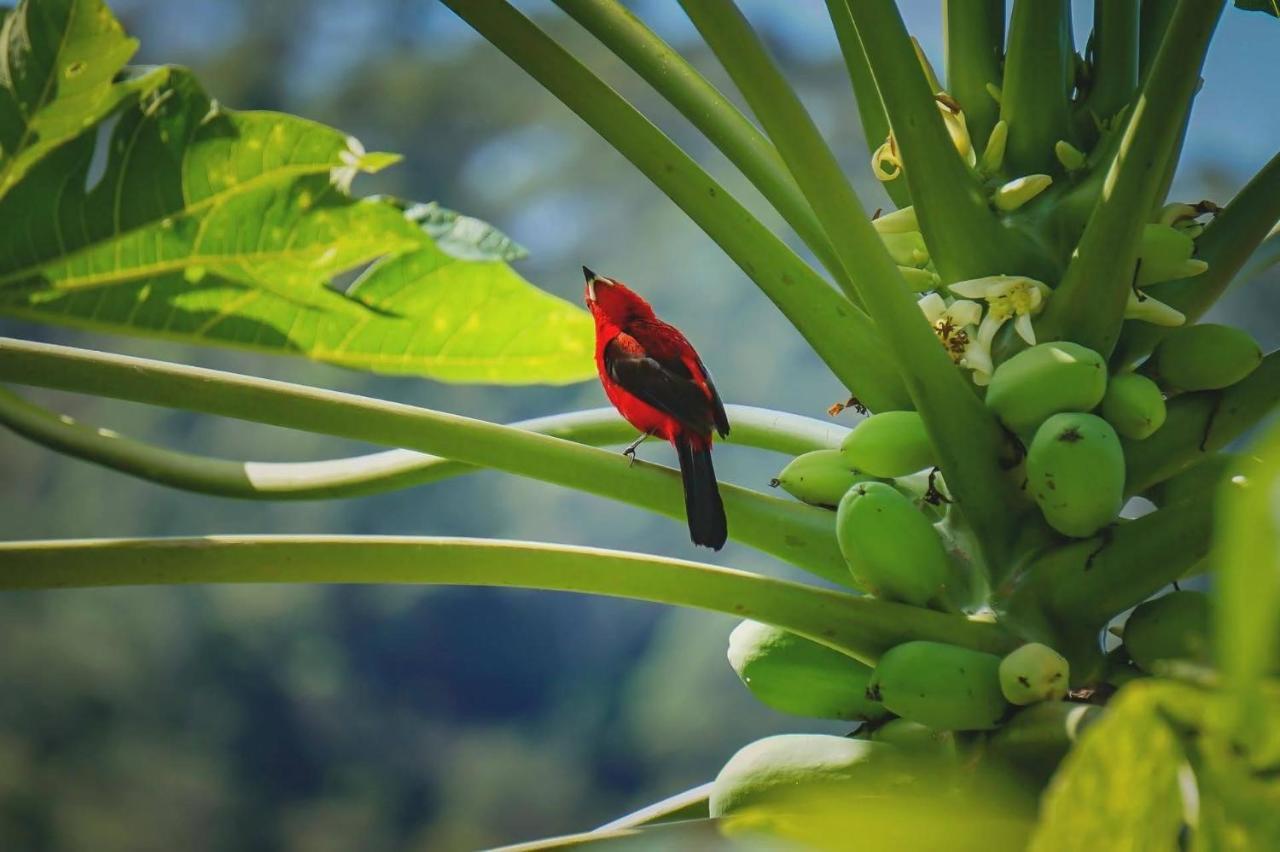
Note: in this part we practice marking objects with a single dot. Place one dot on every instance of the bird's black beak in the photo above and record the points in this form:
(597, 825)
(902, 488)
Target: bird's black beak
(591, 283)
(587, 274)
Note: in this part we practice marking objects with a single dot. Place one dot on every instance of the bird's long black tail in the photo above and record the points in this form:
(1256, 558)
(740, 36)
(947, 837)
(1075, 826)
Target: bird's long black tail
(702, 505)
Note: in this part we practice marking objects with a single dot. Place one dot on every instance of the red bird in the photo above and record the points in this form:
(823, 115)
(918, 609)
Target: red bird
(656, 380)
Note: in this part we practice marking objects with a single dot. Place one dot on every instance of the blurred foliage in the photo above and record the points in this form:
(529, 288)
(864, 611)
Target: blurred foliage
(399, 718)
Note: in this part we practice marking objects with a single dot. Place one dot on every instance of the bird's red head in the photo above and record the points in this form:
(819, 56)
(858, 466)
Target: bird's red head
(612, 300)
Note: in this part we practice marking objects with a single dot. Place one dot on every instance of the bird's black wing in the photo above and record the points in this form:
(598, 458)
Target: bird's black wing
(718, 415)
(667, 385)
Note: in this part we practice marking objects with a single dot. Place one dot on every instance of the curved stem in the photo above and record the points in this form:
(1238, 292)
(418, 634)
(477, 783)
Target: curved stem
(800, 534)
(371, 473)
(842, 335)
(1115, 56)
(1088, 306)
(875, 124)
(802, 147)
(707, 109)
(1263, 258)
(964, 236)
(965, 434)
(1038, 75)
(690, 804)
(1227, 244)
(974, 50)
(1199, 424)
(861, 627)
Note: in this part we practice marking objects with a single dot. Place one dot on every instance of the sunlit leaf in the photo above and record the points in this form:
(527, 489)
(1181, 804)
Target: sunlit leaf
(462, 236)
(59, 61)
(1239, 805)
(218, 226)
(1119, 788)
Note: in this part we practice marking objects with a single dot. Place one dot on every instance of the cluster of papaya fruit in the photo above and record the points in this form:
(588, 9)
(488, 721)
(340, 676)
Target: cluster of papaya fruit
(905, 541)
(932, 702)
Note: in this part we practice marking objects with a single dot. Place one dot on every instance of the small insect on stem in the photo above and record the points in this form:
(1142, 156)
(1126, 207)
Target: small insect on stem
(853, 402)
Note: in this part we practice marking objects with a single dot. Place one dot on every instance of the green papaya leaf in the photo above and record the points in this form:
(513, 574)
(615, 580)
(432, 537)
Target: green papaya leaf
(1239, 804)
(211, 225)
(1271, 7)
(462, 236)
(1118, 788)
(59, 67)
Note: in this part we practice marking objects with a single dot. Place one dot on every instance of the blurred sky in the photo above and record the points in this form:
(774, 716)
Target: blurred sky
(440, 719)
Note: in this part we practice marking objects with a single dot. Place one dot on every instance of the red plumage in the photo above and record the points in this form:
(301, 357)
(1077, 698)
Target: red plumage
(654, 377)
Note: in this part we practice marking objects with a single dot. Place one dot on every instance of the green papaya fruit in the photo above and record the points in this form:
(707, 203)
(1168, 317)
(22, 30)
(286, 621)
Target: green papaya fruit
(780, 765)
(912, 736)
(906, 248)
(794, 675)
(897, 222)
(919, 280)
(892, 549)
(892, 443)
(1164, 254)
(1075, 472)
(1034, 672)
(1205, 357)
(1171, 627)
(820, 478)
(1133, 405)
(945, 687)
(1044, 380)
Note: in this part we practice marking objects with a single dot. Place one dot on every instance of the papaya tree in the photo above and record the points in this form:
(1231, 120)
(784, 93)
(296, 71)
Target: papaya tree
(1023, 334)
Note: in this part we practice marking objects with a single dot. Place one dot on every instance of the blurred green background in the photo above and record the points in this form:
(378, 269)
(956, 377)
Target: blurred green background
(315, 718)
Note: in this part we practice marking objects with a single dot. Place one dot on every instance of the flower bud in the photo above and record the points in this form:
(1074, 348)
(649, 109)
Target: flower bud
(897, 222)
(993, 154)
(1071, 157)
(1019, 191)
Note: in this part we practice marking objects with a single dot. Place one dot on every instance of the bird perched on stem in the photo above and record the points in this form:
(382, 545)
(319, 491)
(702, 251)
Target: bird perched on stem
(656, 380)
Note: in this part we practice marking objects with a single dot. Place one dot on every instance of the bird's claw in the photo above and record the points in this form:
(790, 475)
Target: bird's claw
(630, 453)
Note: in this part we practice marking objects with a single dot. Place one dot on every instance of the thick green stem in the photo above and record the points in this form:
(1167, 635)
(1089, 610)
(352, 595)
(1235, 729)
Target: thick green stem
(708, 110)
(690, 804)
(1088, 306)
(1115, 56)
(790, 127)
(967, 438)
(1247, 586)
(841, 334)
(1199, 424)
(1039, 736)
(963, 234)
(372, 473)
(1152, 26)
(875, 124)
(974, 32)
(1068, 593)
(860, 627)
(1038, 76)
(1105, 576)
(800, 534)
(1227, 244)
